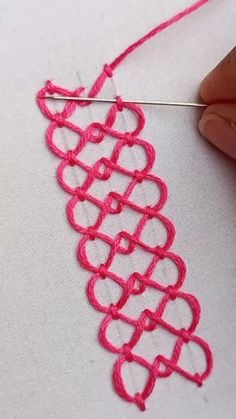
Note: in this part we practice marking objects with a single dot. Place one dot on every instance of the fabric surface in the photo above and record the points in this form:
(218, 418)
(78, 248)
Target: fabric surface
(51, 363)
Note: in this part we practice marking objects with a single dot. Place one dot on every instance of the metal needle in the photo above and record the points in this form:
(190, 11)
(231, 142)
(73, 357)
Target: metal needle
(141, 102)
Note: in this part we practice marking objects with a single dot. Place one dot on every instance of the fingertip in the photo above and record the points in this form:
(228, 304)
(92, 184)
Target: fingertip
(206, 87)
(219, 85)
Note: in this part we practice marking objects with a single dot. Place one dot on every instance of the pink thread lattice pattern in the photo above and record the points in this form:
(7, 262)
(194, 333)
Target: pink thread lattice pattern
(124, 242)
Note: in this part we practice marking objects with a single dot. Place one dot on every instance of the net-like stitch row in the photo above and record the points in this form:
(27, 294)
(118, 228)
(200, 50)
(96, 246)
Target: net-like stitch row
(125, 242)
(115, 203)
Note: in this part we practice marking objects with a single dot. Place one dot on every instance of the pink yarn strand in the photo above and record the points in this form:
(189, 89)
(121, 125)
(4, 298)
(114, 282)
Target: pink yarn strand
(156, 30)
(109, 68)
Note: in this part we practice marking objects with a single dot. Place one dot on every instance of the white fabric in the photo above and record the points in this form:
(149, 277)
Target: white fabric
(51, 363)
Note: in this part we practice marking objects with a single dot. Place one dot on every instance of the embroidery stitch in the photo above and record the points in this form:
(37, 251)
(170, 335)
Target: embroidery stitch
(137, 283)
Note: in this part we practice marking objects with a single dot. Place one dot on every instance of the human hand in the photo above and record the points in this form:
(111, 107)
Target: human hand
(218, 90)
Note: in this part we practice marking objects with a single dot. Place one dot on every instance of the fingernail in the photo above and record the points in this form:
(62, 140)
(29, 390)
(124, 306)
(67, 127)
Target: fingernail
(220, 132)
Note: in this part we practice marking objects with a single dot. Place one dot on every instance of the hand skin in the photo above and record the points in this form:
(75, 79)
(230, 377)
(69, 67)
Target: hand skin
(218, 91)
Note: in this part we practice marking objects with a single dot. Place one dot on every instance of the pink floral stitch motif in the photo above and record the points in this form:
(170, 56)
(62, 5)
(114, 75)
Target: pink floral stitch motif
(137, 283)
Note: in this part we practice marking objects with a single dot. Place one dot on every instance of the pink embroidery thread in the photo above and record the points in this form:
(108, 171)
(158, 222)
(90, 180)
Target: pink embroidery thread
(137, 283)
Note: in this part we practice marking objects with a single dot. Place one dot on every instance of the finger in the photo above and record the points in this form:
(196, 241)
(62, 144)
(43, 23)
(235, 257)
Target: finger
(220, 84)
(218, 125)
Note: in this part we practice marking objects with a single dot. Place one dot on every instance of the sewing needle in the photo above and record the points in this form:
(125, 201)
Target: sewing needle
(140, 102)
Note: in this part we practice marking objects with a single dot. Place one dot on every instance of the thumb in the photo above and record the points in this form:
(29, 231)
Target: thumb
(218, 125)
